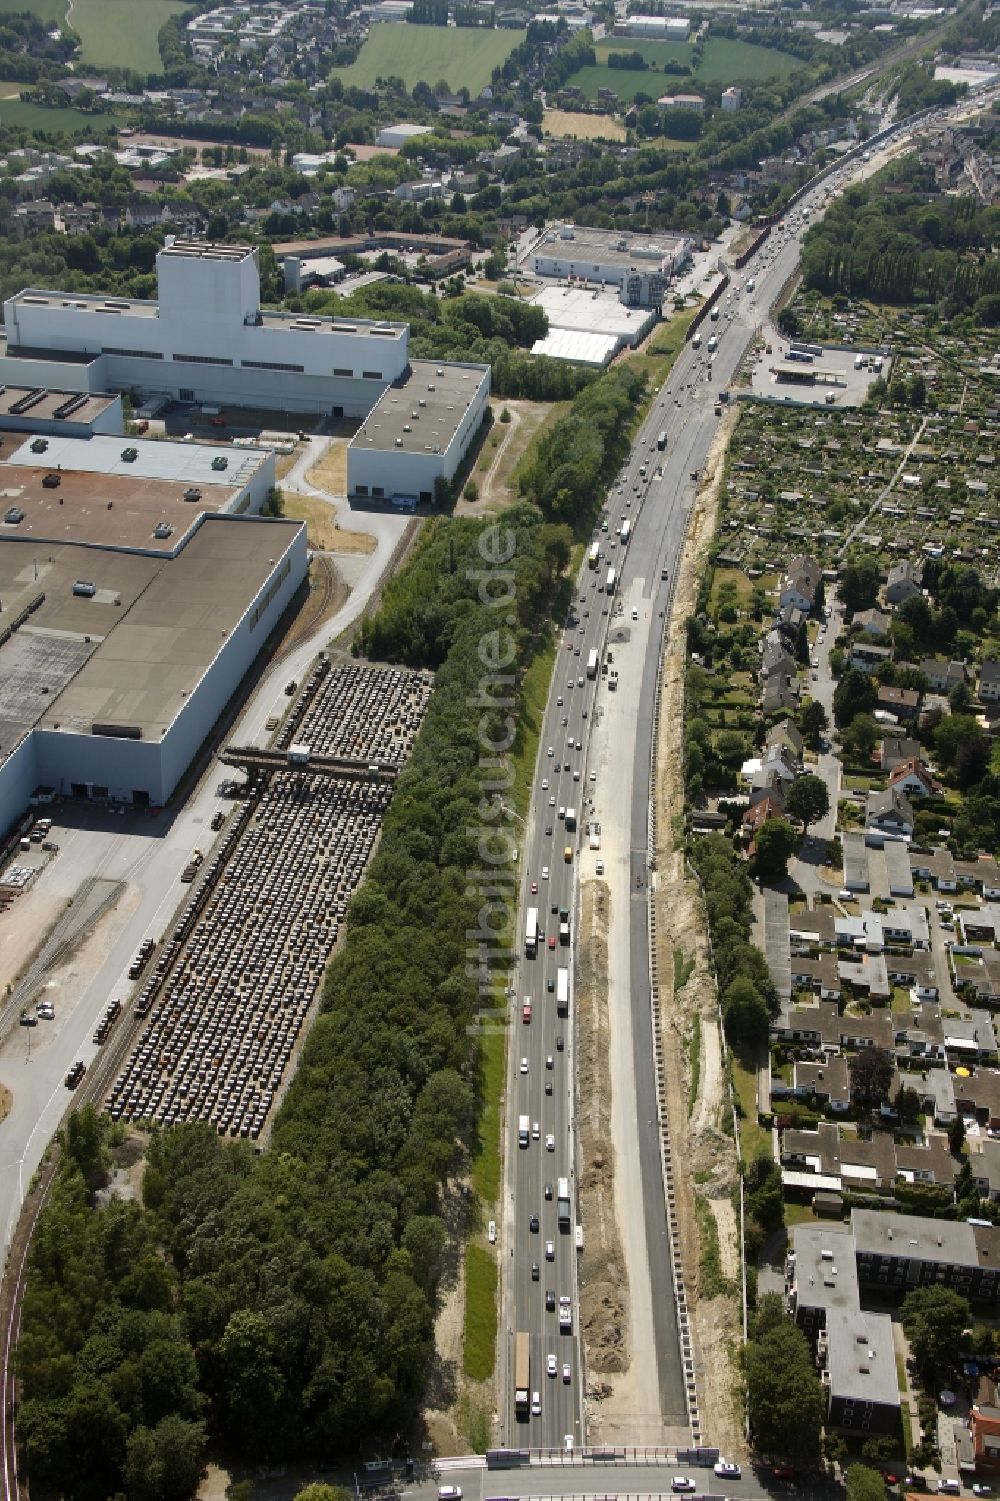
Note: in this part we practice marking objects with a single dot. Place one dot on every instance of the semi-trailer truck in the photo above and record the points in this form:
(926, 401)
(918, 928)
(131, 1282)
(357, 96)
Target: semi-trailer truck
(661, 441)
(594, 555)
(626, 532)
(609, 586)
(522, 1130)
(562, 992)
(592, 664)
(522, 1375)
(562, 1204)
(570, 819)
(564, 925)
(531, 933)
(696, 341)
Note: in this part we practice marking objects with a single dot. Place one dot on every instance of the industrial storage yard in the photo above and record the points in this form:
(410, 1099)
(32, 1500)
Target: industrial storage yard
(232, 986)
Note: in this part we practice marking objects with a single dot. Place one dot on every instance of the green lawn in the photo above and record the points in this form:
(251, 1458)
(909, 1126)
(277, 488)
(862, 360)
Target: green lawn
(487, 1164)
(45, 10)
(19, 112)
(480, 1308)
(625, 83)
(754, 1138)
(465, 56)
(654, 53)
(727, 62)
(122, 33)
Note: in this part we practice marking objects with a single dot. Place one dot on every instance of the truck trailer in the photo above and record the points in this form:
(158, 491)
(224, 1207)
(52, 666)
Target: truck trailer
(522, 1375)
(562, 1204)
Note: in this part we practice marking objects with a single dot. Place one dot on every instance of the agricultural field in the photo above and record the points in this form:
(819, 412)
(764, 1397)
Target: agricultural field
(727, 62)
(36, 117)
(464, 56)
(121, 33)
(581, 126)
(46, 10)
(654, 53)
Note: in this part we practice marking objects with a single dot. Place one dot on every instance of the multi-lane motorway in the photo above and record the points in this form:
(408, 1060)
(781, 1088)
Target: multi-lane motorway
(653, 492)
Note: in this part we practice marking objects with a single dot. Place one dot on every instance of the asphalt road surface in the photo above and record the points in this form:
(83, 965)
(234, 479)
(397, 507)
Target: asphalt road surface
(653, 492)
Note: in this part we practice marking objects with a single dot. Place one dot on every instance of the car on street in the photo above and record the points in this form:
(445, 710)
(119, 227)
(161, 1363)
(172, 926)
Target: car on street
(533, 1224)
(550, 1062)
(449, 1493)
(535, 1133)
(548, 1191)
(728, 1469)
(551, 751)
(526, 1012)
(536, 1404)
(567, 1375)
(545, 872)
(550, 985)
(550, 1301)
(550, 1364)
(534, 888)
(550, 1143)
(545, 784)
(559, 1045)
(524, 1065)
(535, 1271)
(682, 1484)
(552, 940)
(550, 1250)
(548, 826)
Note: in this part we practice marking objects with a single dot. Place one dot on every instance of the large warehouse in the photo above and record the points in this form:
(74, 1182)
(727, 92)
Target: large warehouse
(206, 340)
(118, 653)
(418, 432)
(640, 266)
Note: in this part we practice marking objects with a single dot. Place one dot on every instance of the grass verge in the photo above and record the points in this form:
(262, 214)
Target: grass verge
(487, 1165)
(683, 969)
(753, 1138)
(480, 1344)
(525, 750)
(694, 1058)
(712, 1283)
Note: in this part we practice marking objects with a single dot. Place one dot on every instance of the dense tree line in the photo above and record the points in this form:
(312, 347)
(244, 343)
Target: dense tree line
(906, 246)
(746, 992)
(574, 461)
(285, 1301)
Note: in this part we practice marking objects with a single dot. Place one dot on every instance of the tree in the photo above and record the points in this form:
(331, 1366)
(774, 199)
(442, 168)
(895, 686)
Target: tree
(763, 1192)
(863, 1484)
(871, 1071)
(745, 1013)
(859, 584)
(807, 799)
(813, 721)
(774, 845)
(861, 736)
(956, 1136)
(784, 1395)
(933, 1319)
(853, 695)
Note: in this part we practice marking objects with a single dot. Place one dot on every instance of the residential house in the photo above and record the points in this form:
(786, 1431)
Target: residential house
(770, 805)
(942, 676)
(897, 1252)
(904, 703)
(818, 974)
(828, 1082)
(786, 733)
(913, 778)
(797, 590)
(903, 583)
(867, 655)
(895, 749)
(780, 693)
(984, 1427)
(875, 622)
(889, 813)
(776, 660)
(989, 682)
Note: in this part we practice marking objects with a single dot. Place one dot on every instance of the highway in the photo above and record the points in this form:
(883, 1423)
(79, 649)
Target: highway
(653, 492)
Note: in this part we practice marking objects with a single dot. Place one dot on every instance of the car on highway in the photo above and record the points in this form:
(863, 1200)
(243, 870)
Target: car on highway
(536, 1405)
(550, 1305)
(728, 1469)
(545, 872)
(682, 1484)
(550, 985)
(545, 784)
(559, 1045)
(550, 1364)
(551, 751)
(576, 775)
(548, 1191)
(567, 1375)
(548, 826)
(550, 1062)
(550, 1143)
(548, 1086)
(526, 1012)
(559, 701)
(550, 1250)
(600, 867)
(535, 1271)
(534, 888)
(524, 1065)
(535, 1134)
(552, 803)
(533, 1224)
(552, 940)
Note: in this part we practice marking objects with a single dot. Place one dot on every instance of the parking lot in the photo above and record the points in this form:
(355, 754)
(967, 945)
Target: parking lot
(232, 987)
(830, 377)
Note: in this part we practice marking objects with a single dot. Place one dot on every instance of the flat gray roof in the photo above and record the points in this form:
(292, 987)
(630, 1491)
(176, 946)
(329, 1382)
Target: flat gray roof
(825, 1271)
(611, 247)
(776, 942)
(155, 459)
(424, 414)
(916, 1239)
(860, 1356)
(44, 404)
(856, 873)
(134, 651)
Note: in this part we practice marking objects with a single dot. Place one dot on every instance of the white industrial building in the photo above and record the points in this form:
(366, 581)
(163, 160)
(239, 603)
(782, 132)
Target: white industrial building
(659, 28)
(417, 433)
(640, 266)
(398, 135)
(115, 662)
(594, 312)
(208, 340)
(576, 347)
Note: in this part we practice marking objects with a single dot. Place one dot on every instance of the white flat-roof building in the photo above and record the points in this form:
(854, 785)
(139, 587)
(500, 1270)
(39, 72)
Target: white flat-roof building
(638, 265)
(398, 135)
(418, 432)
(207, 339)
(577, 347)
(660, 28)
(585, 311)
(131, 656)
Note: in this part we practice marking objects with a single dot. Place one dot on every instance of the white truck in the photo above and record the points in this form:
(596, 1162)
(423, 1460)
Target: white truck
(565, 1315)
(523, 1131)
